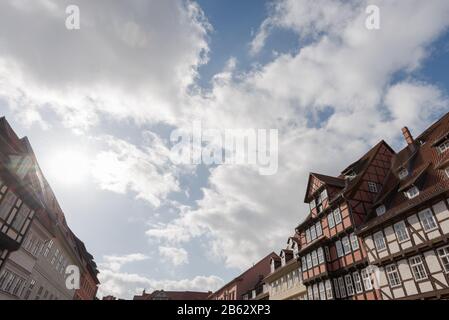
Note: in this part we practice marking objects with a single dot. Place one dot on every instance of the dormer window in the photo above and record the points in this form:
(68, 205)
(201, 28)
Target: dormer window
(381, 210)
(443, 147)
(403, 174)
(411, 193)
(372, 187)
(350, 175)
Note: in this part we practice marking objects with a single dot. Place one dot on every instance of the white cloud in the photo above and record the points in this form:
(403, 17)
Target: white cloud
(145, 170)
(174, 255)
(115, 262)
(344, 71)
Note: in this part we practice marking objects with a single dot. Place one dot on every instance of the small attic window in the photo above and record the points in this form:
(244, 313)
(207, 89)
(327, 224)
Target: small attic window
(403, 174)
(350, 175)
(444, 146)
(381, 210)
(411, 193)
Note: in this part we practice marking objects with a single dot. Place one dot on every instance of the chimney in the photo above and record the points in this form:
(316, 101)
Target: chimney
(407, 136)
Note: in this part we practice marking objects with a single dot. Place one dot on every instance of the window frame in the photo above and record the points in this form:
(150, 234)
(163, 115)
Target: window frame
(320, 255)
(330, 217)
(380, 236)
(358, 285)
(422, 219)
(409, 195)
(349, 285)
(418, 267)
(337, 213)
(346, 245)
(318, 227)
(366, 280)
(401, 232)
(403, 173)
(443, 146)
(393, 276)
(445, 256)
(384, 209)
(342, 285)
(372, 187)
(339, 248)
(328, 288)
(353, 239)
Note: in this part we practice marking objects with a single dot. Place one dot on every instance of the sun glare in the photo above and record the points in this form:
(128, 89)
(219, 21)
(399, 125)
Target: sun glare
(70, 167)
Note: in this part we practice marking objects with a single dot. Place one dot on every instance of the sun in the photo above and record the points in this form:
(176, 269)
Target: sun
(70, 167)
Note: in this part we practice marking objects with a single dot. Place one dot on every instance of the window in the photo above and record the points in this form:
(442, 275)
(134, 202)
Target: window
(48, 248)
(337, 216)
(349, 285)
(319, 230)
(354, 241)
(312, 204)
(7, 204)
(30, 288)
(418, 270)
(411, 193)
(329, 293)
(314, 259)
(393, 275)
(320, 255)
(357, 282)
(403, 174)
(304, 263)
(339, 248)
(372, 187)
(328, 255)
(447, 171)
(379, 241)
(330, 220)
(342, 287)
(366, 278)
(443, 147)
(308, 237)
(346, 245)
(55, 256)
(337, 291)
(316, 294)
(310, 293)
(380, 210)
(309, 261)
(313, 233)
(322, 291)
(443, 253)
(21, 217)
(427, 220)
(401, 231)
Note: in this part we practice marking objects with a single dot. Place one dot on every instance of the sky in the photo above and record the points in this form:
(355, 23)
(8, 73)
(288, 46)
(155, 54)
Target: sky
(99, 104)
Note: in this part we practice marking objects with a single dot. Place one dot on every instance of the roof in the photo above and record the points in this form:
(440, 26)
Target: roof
(173, 295)
(424, 163)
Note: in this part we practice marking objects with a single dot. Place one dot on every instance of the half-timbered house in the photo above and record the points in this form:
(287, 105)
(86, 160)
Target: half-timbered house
(331, 256)
(406, 235)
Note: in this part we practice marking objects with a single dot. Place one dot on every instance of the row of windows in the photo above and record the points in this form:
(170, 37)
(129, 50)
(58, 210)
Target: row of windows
(44, 295)
(286, 282)
(428, 223)
(417, 265)
(342, 287)
(346, 245)
(314, 259)
(11, 283)
(314, 232)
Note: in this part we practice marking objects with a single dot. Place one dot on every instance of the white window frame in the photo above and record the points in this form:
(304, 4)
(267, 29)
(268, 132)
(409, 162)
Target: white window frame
(337, 213)
(380, 210)
(314, 258)
(403, 174)
(303, 262)
(413, 192)
(394, 279)
(349, 285)
(346, 245)
(327, 253)
(379, 241)
(320, 254)
(366, 279)
(309, 261)
(372, 187)
(443, 254)
(357, 282)
(337, 290)
(339, 247)
(400, 229)
(444, 146)
(428, 221)
(313, 233)
(328, 286)
(312, 204)
(316, 293)
(418, 269)
(341, 284)
(330, 220)
(354, 241)
(308, 236)
(322, 290)
(319, 229)
(310, 292)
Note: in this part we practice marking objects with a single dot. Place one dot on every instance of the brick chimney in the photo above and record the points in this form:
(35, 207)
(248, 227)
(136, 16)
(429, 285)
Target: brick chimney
(407, 136)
